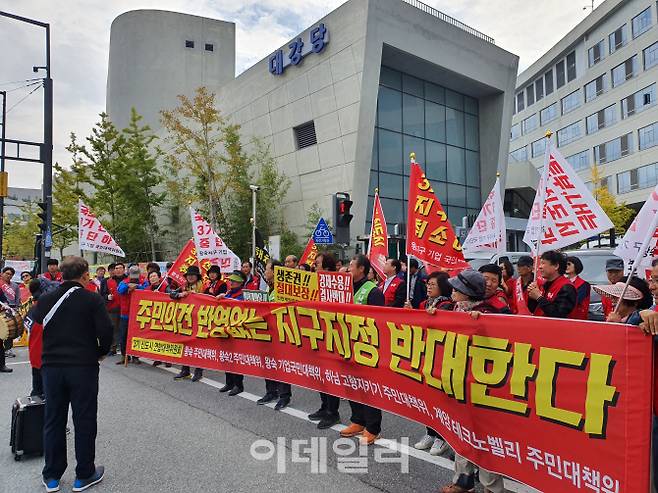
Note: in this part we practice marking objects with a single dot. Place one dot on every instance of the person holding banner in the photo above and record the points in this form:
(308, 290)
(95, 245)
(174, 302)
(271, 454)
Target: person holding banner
(394, 287)
(574, 268)
(614, 269)
(636, 298)
(417, 287)
(366, 421)
(235, 381)
(557, 297)
(252, 281)
(118, 273)
(291, 262)
(217, 286)
(494, 295)
(328, 414)
(125, 291)
(194, 284)
(274, 389)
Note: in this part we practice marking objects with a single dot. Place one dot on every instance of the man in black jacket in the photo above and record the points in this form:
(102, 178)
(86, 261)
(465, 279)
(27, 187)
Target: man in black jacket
(77, 333)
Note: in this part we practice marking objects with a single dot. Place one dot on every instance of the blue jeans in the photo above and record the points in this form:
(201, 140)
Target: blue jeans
(77, 386)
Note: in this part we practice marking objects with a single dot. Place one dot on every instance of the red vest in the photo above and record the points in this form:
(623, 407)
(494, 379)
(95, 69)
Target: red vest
(581, 311)
(112, 286)
(389, 294)
(253, 284)
(607, 305)
(496, 302)
(552, 292)
(57, 277)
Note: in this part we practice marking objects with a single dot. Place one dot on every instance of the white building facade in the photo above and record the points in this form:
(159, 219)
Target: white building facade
(596, 90)
(344, 103)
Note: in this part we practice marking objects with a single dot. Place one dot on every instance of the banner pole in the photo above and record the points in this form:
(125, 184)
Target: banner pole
(640, 256)
(542, 202)
(412, 160)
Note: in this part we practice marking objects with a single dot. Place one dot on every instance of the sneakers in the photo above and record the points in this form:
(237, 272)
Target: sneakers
(424, 443)
(328, 421)
(442, 449)
(367, 438)
(6, 369)
(83, 484)
(182, 375)
(50, 484)
(317, 415)
(268, 397)
(282, 404)
(352, 430)
(437, 446)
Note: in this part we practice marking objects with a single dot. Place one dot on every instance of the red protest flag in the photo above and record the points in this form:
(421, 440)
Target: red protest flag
(430, 237)
(310, 252)
(378, 246)
(186, 258)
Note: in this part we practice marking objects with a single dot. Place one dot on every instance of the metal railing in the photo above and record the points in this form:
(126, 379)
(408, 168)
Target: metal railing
(450, 20)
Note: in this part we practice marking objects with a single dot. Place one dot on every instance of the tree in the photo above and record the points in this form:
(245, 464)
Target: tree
(67, 191)
(19, 233)
(140, 197)
(196, 137)
(619, 214)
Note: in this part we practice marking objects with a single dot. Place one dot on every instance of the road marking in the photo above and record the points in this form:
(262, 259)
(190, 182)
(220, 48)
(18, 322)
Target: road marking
(393, 445)
(18, 363)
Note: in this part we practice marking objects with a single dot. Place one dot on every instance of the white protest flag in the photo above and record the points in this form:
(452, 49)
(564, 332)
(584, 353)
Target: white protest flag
(210, 246)
(488, 233)
(639, 242)
(92, 235)
(570, 212)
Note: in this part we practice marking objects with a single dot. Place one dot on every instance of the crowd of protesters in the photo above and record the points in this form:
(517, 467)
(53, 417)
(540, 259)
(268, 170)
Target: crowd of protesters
(558, 291)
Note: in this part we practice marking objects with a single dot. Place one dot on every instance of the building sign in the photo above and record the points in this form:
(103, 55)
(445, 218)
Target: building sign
(318, 38)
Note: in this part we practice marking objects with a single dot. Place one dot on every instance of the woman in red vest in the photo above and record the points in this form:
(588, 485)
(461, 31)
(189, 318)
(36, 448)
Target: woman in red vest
(557, 297)
(583, 289)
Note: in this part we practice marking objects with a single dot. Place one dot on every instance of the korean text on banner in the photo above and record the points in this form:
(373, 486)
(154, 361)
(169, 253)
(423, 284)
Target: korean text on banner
(295, 284)
(310, 253)
(210, 246)
(378, 245)
(488, 233)
(497, 392)
(92, 236)
(630, 245)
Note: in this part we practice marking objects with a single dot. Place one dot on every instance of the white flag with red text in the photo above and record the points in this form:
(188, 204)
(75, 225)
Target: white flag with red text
(378, 246)
(210, 246)
(630, 245)
(488, 233)
(92, 235)
(570, 212)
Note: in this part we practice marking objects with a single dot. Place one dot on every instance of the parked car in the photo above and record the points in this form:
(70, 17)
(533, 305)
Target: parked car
(593, 270)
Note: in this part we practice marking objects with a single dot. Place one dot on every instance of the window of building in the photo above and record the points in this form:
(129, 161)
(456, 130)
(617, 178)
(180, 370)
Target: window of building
(642, 22)
(305, 135)
(568, 134)
(530, 95)
(580, 161)
(189, 43)
(595, 53)
(601, 119)
(519, 155)
(548, 82)
(648, 136)
(549, 113)
(614, 149)
(650, 56)
(637, 179)
(595, 88)
(515, 131)
(622, 72)
(538, 147)
(560, 74)
(539, 89)
(638, 102)
(571, 102)
(210, 47)
(520, 102)
(617, 39)
(571, 66)
(530, 124)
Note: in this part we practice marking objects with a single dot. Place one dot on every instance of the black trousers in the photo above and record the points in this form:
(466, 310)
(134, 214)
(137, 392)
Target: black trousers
(2, 353)
(367, 416)
(330, 404)
(235, 380)
(77, 386)
(283, 390)
(123, 334)
(37, 382)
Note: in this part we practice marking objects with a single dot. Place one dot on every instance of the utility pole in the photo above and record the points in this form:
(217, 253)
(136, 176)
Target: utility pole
(2, 168)
(46, 148)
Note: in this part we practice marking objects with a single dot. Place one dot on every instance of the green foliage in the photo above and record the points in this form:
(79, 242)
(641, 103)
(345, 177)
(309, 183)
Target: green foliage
(67, 191)
(19, 234)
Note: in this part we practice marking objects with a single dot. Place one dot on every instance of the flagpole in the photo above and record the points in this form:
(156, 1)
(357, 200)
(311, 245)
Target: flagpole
(372, 223)
(412, 159)
(499, 242)
(639, 257)
(542, 202)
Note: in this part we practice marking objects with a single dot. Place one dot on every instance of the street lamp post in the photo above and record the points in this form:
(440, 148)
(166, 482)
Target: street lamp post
(2, 168)
(46, 154)
(254, 190)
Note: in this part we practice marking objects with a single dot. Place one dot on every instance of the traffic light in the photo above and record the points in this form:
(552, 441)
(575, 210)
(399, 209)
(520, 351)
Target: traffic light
(342, 217)
(43, 215)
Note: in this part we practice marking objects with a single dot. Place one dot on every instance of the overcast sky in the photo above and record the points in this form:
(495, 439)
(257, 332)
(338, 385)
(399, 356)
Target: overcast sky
(80, 34)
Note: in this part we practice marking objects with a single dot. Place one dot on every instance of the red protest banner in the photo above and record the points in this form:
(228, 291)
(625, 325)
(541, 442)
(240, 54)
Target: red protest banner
(430, 237)
(499, 393)
(378, 245)
(310, 252)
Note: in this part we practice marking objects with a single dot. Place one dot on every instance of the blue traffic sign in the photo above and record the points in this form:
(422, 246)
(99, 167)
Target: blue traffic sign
(322, 234)
(48, 241)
